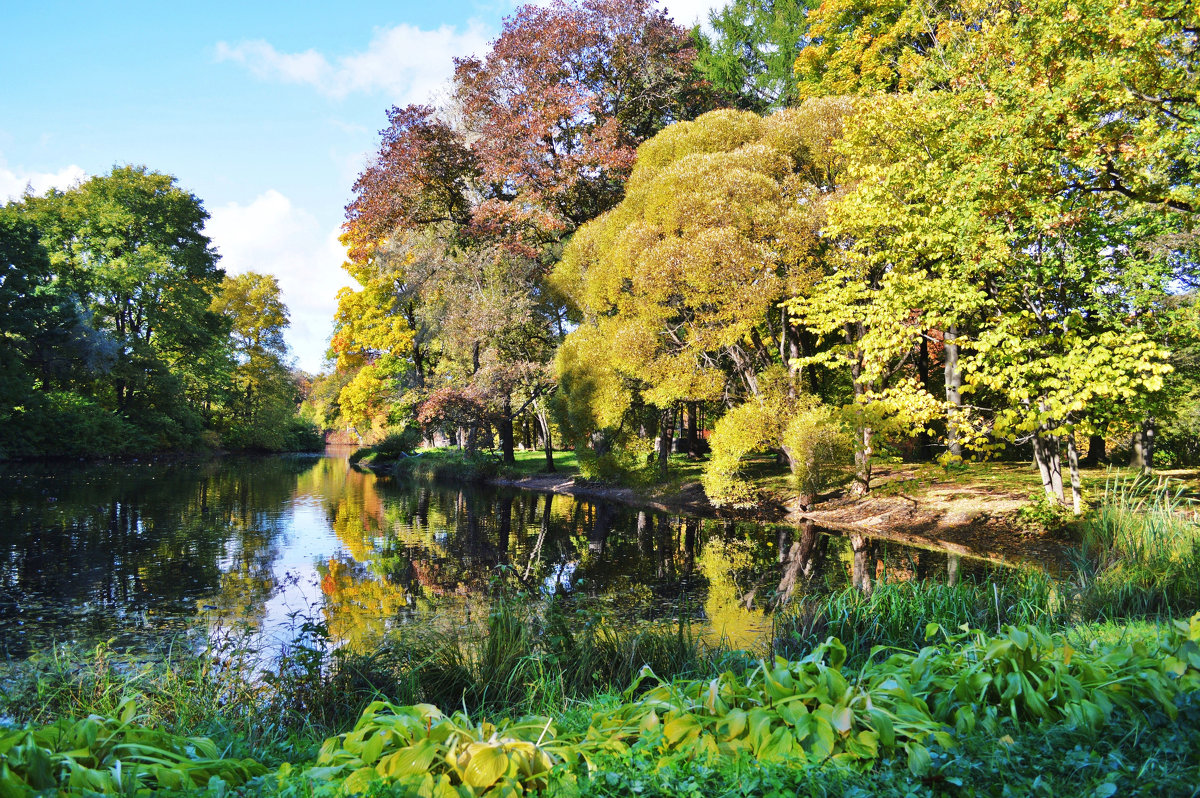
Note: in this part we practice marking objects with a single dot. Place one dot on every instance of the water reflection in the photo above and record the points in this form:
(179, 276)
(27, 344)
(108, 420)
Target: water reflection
(259, 546)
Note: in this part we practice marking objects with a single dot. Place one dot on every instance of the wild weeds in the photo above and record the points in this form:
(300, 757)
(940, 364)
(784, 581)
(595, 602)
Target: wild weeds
(178, 691)
(896, 614)
(1139, 553)
(526, 661)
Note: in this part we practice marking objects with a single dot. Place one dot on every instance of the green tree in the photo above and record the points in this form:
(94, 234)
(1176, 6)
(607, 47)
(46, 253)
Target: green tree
(262, 398)
(1029, 200)
(130, 245)
(750, 59)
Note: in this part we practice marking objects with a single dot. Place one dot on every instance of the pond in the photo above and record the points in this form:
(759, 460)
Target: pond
(140, 553)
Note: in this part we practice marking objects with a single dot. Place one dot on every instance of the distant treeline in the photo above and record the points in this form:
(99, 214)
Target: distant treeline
(121, 334)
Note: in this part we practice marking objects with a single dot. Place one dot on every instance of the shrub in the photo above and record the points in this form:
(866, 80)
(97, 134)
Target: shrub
(745, 429)
(398, 442)
(627, 461)
(76, 425)
(818, 449)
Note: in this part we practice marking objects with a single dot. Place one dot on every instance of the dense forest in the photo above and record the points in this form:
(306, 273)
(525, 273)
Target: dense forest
(123, 336)
(842, 233)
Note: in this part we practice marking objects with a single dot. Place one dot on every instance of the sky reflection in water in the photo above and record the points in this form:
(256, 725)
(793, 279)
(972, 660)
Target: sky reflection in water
(253, 547)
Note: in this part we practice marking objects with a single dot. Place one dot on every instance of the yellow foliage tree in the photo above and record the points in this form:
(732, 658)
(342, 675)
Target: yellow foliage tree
(678, 287)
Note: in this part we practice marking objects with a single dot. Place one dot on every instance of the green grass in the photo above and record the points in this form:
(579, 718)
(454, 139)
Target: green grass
(533, 461)
(1139, 552)
(896, 615)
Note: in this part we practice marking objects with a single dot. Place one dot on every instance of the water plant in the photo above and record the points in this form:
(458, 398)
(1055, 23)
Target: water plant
(1139, 551)
(896, 614)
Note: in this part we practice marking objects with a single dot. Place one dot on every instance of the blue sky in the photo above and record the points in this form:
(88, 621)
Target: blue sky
(266, 111)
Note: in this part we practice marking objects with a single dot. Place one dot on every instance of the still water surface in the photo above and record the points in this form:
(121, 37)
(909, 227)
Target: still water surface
(140, 552)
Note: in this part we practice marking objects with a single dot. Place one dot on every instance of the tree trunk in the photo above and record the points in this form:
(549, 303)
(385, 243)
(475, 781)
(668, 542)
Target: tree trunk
(1048, 456)
(953, 390)
(861, 566)
(418, 363)
(1073, 463)
(504, 526)
(862, 457)
(666, 431)
(807, 346)
(504, 427)
(693, 430)
(800, 561)
(864, 435)
(645, 534)
(1096, 451)
(547, 441)
(1142, 453)
(788, 351)
(923, 442)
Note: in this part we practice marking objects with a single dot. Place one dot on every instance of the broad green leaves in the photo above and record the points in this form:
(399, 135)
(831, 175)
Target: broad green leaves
(433, 754)
(810, 710)
(113, 757)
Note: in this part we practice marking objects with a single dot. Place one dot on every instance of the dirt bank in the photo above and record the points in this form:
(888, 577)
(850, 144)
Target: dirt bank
(970, 520)
(690, 500)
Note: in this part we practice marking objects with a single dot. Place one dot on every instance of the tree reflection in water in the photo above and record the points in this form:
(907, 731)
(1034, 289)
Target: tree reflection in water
(137, 551)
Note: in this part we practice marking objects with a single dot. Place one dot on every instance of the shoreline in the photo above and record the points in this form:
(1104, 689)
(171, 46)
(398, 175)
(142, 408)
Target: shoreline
(979, 535)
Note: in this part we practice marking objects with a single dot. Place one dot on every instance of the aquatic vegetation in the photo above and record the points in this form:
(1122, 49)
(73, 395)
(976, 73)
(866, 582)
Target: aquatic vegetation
(896, 614)
(1139, 552)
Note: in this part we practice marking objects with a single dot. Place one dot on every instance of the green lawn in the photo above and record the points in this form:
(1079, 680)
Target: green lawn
(533, 461)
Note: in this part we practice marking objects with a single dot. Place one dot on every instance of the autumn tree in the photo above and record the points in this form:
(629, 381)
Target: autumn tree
(681, 282)
(457, 219)
(424, 174)
(559, 105)
(1020, 199)
(867, 47)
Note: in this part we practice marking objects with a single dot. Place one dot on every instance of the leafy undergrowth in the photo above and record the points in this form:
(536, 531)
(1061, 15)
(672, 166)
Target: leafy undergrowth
(931, 719)
(114, 756)
(912, 707)
(1155, 757)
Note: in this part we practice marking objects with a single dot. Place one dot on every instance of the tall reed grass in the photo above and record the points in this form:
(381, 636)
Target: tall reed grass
(896, 615)
(520, 659)
(1139, 551)
(523, 660)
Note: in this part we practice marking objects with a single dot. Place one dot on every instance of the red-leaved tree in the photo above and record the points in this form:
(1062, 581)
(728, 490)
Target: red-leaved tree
(560, 105)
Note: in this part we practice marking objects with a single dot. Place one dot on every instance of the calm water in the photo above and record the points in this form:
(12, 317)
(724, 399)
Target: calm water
(257, 546)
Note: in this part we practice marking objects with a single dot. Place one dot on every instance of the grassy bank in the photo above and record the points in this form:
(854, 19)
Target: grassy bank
(457, 465)
(1081, 716)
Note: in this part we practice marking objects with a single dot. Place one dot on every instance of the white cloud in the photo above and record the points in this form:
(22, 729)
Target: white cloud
(13, 183)
(273, 236)
(405, 62)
